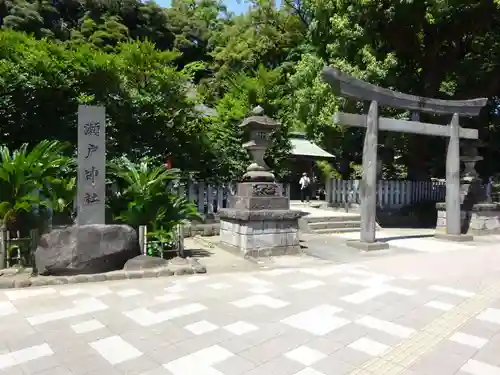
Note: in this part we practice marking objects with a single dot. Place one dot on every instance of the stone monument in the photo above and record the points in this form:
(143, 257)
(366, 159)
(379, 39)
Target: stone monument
(91, 188)
(258, 221)
(90, 246)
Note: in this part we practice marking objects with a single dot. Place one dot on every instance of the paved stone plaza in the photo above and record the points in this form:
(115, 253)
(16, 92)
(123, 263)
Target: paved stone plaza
(417, 313)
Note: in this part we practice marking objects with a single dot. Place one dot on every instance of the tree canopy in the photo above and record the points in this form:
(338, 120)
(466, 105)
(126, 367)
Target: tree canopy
(152, 68)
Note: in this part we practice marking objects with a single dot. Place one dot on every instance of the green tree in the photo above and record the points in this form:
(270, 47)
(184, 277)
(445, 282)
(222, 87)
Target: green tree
(106, 34)
(24, 16)
(263, 36)
(146, 97)
(194, 23)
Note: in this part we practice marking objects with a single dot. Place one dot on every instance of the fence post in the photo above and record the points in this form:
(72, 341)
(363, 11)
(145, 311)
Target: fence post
(349, 196)
(220, 196)
(180, 240)
(34, 239)
(409, 192)
(143, 240)
(344, 191)
(287, 190)
(210, 199)
(7, 251)
(338, 191)
(399, 193)
(191, 191)
(3, 246)
(201, 197)
(328, 190)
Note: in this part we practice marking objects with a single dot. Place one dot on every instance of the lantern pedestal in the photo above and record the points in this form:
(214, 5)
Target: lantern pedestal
(259, 222)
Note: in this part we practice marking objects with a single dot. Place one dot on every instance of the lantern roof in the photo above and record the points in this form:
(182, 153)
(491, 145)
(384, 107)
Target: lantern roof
(258, 119)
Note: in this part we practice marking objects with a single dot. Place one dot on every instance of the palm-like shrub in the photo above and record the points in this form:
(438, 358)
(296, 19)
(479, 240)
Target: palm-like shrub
(31, 180)
(143, 197)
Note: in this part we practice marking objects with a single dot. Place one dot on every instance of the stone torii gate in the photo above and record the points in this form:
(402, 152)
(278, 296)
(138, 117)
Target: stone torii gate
(348, 86)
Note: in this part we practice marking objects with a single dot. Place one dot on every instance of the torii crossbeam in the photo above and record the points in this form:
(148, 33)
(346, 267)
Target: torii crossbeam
(348, 86)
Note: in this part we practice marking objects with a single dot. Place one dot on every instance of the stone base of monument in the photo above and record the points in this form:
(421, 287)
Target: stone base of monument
(86, 249)
(479, 220)
(260, 233)
(367, 246)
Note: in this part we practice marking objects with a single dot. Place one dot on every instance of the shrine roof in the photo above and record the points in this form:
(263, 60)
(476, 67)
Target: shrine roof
(301, 146)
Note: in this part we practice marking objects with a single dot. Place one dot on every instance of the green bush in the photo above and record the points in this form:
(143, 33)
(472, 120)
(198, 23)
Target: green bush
(34, 180)
(142, 197)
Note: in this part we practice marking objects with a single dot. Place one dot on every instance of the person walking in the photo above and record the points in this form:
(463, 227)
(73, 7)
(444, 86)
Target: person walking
(305, 188)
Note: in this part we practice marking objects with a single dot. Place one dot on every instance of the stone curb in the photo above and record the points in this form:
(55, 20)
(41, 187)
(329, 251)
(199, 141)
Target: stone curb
(108, 276)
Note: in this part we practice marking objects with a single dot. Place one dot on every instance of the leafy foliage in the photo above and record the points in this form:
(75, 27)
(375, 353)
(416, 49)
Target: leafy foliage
(34, 178)
(144, 197)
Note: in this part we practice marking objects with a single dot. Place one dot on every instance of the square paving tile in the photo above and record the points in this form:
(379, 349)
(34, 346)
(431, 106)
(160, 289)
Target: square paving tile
(333, 366)
(235, 365)
(447, 363)
(305, 355)
(277, 366)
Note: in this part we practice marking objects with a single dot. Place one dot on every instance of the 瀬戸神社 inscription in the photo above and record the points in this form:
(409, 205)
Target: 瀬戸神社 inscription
(351, 87)
(91, 165)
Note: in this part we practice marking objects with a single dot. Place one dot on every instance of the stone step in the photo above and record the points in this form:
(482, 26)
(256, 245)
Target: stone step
(335, 224)
(338, 230)
(339, 218)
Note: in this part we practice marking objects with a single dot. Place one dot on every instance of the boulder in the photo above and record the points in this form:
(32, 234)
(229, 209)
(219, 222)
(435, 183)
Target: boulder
(86, 249)
(142, 262)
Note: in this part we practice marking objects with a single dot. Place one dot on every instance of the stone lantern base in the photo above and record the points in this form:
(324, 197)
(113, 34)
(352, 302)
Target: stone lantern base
(479, 220)
(259, 222)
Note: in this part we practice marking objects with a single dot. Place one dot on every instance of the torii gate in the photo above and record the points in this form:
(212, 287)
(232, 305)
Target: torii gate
(348, 86)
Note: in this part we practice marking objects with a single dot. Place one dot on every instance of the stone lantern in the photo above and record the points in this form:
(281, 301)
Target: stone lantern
(477, 215)
(471, 190)
(258, 128)
(470, 156)
(258, 221)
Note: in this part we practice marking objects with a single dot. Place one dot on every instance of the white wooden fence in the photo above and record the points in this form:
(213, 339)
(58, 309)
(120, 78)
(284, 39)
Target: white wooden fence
(209, 198)
(390, 194)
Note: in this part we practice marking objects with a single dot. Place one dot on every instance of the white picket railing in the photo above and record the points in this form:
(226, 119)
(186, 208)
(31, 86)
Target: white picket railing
(200, 193)
(390, 194)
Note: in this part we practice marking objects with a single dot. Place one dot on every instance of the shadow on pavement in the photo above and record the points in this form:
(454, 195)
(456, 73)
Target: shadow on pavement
(405, 237)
